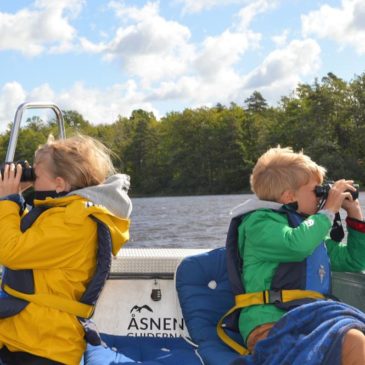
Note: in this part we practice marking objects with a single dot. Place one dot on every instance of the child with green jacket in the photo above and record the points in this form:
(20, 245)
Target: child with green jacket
(279, 255)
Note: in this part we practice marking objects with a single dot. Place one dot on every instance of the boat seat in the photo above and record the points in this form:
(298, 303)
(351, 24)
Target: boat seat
(205, 294)
(126, 350)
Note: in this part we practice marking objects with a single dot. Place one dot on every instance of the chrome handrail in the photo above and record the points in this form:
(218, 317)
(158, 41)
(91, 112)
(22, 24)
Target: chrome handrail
(18, 117)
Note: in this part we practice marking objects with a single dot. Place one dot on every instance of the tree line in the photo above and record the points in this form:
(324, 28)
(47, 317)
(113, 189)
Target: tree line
(213, 150)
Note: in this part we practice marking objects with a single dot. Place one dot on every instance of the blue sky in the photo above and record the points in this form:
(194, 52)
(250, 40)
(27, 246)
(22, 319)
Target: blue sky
(105, 58)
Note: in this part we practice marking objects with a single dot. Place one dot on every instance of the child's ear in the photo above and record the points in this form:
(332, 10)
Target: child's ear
(62, 185)
(287, 197)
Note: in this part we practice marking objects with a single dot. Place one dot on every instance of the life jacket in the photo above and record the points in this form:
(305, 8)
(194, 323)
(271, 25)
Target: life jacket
(293, 284)
(17, 286)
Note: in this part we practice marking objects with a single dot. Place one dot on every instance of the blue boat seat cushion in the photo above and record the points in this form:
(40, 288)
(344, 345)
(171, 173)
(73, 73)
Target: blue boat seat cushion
(205, 294)
(124, 350)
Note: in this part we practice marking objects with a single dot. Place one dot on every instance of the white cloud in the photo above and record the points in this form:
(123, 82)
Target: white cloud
(281, 39)
(96, 105)
(164, 62)
(167, 66)
(344, 25)
(73, 7)
(31, 30)
(213, 76)
(249, 12)
(12, 95)
(91, 47)
(41, 93)
(283, 68)
(155, 49)
(196, 6)
(223, 52)
(158, 50)
(278, 74)
(104, 106)
(193, 91)
(164, 65)
(147, 45)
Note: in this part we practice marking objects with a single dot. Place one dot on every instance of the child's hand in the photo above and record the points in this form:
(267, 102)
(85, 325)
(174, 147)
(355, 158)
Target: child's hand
(338, 197)
(353, 209)
(10, 180)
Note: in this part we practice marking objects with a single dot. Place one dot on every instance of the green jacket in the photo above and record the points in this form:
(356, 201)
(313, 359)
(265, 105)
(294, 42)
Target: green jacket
(266, 240)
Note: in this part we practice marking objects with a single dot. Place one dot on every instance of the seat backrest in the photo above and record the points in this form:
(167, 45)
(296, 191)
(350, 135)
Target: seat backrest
(205, 295)
(204, 292)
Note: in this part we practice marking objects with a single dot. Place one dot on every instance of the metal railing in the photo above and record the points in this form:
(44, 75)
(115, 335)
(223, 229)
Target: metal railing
(18, 118)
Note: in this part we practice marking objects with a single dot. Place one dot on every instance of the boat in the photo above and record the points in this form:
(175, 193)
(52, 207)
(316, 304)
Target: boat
(147, 313)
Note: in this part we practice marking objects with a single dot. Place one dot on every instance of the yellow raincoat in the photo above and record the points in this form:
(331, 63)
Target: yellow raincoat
(61, 248)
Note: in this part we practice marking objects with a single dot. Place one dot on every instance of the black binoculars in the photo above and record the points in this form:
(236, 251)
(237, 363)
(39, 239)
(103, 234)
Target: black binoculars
(27, 170)
(322, 191)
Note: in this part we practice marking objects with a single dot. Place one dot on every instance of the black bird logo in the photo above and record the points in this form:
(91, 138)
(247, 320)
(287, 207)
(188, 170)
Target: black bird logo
(138, 309)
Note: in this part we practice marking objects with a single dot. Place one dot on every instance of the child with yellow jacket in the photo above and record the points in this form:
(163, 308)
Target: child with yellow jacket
(75, 194)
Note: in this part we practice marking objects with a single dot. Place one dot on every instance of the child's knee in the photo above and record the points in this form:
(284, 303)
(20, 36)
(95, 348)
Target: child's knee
(353, 348)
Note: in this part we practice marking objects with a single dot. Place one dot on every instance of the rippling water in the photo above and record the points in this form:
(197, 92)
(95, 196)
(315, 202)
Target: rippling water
(185, 222)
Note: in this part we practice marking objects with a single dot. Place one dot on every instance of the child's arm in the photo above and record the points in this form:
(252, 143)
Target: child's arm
(350, 256)
(272, 239)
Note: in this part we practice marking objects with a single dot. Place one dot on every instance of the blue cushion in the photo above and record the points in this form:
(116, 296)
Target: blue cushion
(205, 295)
(145, 350)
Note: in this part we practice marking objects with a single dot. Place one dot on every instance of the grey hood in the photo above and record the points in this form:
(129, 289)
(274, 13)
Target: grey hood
(253, 204)
(112, 194)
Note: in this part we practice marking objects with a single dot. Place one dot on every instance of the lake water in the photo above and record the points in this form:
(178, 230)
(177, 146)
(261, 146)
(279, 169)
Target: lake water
(185, 222)
(188, 222)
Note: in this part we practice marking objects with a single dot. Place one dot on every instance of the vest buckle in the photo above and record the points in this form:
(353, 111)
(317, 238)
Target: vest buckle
(272, 296)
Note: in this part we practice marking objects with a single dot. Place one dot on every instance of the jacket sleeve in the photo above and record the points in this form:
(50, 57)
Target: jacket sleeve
(18, 199)
(49, 243)
(274, 240)
(349, 256)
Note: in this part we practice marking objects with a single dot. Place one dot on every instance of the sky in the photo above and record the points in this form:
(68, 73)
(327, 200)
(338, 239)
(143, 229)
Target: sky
(106, 58)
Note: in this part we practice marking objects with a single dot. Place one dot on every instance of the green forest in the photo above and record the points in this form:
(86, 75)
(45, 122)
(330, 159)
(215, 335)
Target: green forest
(212, 150)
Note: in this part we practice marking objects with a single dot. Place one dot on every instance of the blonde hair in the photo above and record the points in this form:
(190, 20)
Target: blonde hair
(80, 160)
(280, 169)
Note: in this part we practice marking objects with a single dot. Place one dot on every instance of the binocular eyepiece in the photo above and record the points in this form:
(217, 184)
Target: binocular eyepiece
(27, 170)
(322, 191)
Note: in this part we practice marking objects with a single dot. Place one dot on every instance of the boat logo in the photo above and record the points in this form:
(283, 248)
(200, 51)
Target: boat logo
(146, 322)
(321, 273)
(138, 309)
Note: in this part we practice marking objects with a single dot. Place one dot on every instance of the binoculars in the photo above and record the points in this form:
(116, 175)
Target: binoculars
(27, 170)
(322, 191)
